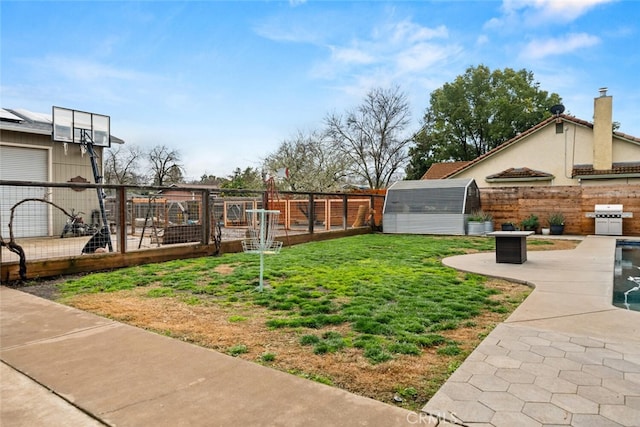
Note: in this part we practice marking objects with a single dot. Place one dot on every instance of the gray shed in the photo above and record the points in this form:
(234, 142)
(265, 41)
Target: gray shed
(430, 206)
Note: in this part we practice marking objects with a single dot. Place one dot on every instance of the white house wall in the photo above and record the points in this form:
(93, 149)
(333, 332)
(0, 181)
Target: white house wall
(553, 153)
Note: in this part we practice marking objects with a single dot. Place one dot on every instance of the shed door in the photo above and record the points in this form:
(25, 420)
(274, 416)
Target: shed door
(31, 219)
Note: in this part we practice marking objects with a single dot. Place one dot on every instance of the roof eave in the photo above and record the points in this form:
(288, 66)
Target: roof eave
(608, 176)
(21, 128)
(527, 179)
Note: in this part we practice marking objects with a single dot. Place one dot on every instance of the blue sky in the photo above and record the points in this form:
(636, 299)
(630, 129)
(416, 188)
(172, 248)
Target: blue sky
(226, 82)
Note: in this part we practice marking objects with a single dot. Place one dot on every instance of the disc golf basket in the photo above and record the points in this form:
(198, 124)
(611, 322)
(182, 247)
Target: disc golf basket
(261, 234)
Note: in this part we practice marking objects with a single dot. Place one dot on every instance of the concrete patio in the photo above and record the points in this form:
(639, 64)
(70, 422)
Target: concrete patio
(566, 356)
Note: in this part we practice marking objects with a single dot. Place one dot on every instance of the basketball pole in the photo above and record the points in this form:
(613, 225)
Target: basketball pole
(88, 142)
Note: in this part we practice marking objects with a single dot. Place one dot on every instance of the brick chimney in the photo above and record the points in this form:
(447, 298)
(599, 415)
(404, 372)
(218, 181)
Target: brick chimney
(603, 131)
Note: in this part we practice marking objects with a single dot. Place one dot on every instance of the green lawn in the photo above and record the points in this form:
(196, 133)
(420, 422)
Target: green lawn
(391, 290)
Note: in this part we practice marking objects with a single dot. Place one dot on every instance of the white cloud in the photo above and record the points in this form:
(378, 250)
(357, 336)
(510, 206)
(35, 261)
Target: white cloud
(397, 50)
(538, 49)
(407, 31)
(533, 13)
(482, 40)
(422, 56)
(351, 55)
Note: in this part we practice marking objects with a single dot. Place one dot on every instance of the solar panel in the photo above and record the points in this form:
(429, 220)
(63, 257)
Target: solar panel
(35, 117)
(7, 115)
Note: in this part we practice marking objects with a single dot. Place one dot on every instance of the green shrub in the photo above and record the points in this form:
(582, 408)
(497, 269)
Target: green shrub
(556, 218)
(449, 350)
(268, 357)
(160, 292)
(477, 216)
(238, 349)
(531, 222)
(404, 348)
(376, 354)
(309, 339)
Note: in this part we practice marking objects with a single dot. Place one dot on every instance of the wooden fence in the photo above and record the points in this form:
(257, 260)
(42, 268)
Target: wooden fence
(513, 204)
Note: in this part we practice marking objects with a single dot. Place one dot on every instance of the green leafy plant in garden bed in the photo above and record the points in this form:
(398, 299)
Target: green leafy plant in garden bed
(392, 291)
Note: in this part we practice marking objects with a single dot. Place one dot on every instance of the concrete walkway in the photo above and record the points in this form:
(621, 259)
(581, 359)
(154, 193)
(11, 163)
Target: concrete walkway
(65, 367)
(566, 356)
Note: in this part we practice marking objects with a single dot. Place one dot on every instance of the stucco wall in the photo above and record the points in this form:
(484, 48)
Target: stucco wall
(551, 152)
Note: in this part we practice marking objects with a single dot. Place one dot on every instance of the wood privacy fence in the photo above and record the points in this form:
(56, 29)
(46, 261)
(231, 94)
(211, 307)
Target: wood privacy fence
(513, 204)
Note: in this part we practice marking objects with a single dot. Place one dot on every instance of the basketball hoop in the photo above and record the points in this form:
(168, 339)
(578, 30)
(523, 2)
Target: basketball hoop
(87, 130)
(262, 226)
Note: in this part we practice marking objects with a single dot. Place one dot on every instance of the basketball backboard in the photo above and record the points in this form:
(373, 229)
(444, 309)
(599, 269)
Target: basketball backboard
(69, 125)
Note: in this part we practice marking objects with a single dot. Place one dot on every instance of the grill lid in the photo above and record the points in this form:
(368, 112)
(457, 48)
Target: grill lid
(608, 208)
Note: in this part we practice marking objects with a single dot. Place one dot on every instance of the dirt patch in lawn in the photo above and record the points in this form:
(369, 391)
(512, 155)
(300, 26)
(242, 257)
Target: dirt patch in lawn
(414, 379)
(239, 329)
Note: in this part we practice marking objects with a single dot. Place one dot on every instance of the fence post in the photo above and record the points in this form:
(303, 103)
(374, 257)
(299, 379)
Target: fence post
(345, 211)
(311, 212)
(205, 217)
(121, 226)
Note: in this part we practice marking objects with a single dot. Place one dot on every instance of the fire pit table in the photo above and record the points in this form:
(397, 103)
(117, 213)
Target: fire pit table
(511, 246)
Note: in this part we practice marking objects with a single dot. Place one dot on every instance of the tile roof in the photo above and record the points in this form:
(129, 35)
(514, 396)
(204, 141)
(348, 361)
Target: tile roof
(520, 173)
(440, 170)
(532, 130)
(616, 169)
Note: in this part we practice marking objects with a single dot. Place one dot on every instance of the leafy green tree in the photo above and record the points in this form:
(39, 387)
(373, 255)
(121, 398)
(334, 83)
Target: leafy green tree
(371, 136)
(247, 179)
(475, 113)
(312, 164)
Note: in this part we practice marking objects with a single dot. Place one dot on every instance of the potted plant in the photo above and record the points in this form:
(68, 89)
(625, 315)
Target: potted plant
(508, 226)
(556, 223)
(530, 223)
(488, 223)
(476, 223)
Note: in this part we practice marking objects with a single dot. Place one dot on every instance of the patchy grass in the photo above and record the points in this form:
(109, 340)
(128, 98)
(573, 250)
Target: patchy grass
(377, 315)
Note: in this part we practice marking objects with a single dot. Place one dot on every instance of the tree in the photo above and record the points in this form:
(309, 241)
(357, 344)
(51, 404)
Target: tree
(210, 180)
(475, 113)
(165, 165)
(370, 136)
(121, 165)
(247, 179)
(312, 163)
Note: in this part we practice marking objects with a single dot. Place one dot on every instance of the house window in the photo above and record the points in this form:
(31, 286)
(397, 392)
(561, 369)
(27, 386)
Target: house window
(559, 127)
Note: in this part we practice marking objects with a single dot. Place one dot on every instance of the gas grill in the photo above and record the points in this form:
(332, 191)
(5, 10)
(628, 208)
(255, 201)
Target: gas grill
(609, 219)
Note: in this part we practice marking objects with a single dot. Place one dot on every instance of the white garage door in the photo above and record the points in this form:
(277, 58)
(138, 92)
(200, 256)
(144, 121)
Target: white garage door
(31, 219)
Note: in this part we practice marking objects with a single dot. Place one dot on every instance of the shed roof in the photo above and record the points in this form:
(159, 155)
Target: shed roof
(431, 183)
